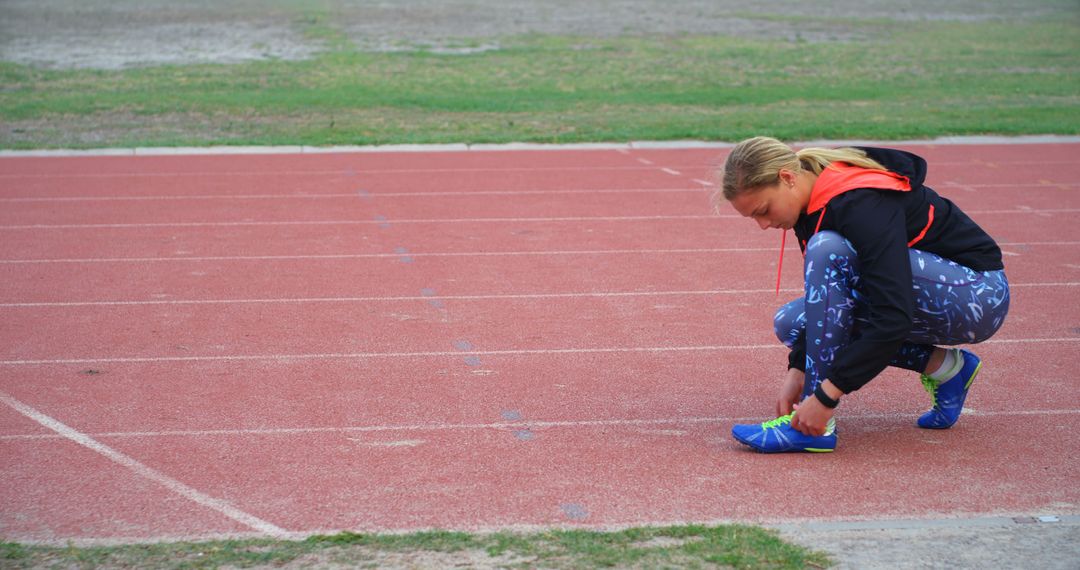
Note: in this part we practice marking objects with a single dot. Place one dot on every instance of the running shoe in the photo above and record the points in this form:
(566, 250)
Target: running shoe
(948, 397)
(777, 436)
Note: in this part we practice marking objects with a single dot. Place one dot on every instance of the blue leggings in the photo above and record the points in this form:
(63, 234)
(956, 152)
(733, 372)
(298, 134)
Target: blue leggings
(953, 305)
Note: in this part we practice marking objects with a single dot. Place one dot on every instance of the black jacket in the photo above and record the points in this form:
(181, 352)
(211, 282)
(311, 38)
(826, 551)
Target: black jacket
(879, 224)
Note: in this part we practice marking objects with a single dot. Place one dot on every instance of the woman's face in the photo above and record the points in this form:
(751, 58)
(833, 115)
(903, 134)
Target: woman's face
(775, 206)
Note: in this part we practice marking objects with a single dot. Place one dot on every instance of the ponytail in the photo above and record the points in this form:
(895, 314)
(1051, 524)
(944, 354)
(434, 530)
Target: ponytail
(817, 159)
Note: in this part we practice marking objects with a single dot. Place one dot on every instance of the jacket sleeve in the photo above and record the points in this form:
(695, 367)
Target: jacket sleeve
(797, 358)
(873, 221)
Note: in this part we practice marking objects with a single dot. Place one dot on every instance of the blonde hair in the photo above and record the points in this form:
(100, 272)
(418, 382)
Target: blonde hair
(755, 163)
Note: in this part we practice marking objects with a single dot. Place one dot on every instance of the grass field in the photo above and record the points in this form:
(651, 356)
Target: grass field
(732, 546)
(898, 81)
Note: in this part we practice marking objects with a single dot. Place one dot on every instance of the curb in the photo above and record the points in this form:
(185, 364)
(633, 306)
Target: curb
(462, 147)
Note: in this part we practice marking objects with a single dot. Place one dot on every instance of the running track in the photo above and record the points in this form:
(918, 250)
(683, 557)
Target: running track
(202, 346)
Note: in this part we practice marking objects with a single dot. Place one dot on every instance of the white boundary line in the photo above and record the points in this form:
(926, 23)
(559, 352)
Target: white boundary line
(415, 298)
(410, 298)
(383, 428)
(1043, 185)
(385, 221)
(646, 165)
(456, 353)
(337, 172)
(515, 425)
(398, 255)
(643, 145)
(169, 483)
(362, 355)
(459, 220)
(353, 195)
(440, 254)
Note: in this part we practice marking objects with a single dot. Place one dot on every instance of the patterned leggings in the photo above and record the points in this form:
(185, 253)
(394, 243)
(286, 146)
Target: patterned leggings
(953, 305)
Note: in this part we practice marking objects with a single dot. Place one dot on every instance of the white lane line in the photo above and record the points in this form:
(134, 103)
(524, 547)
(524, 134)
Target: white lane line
(442, 353)
(1039, 243)
(1054, 186)
(407, 427)
(1030, 340)
(399, 443)
(1046, 284)
(645, 161)
(454, 220)
(533, 424)
(439, 254)
(391, 255)
(1049, 186)
(371, 222)
(409, 298)
(1027, 211)
(521, 296)
(672, 171)
(349, 195)
(1000, 186)
(362, 355)
(169, 483)
(361, 172)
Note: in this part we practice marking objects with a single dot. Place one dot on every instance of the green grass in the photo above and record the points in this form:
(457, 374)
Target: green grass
(905, 81)
(729, 546)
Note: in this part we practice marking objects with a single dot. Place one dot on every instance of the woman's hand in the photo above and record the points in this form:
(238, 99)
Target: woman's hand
(790, 392)
(812, 418)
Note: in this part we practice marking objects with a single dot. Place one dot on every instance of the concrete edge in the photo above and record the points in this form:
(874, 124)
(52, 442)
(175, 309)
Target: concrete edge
(798, 526)
(902, 524)
(462, 147)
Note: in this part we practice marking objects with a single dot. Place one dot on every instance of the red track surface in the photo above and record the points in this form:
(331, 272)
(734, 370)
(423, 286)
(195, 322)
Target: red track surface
(216, 345)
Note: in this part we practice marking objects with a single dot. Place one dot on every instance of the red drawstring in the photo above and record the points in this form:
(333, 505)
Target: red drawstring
(780, 266)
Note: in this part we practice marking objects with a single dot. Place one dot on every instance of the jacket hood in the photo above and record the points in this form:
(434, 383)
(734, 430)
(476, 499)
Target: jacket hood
(840, 177)
(901, 162)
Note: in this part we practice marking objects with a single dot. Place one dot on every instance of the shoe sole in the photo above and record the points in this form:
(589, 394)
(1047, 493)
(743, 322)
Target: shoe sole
(807, 449)
(759, 450)
(967, 386)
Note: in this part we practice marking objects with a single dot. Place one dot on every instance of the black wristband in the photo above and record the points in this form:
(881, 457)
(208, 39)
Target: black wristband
(824, 398)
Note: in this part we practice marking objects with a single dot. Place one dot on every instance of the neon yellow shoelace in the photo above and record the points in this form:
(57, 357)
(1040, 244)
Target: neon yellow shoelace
(829, 429)
(778, 421)
(930, 386)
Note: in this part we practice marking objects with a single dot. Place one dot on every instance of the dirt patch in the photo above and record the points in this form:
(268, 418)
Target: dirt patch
(123, 128)
(348, 558)
(104, 34)
(666, 542)
(100, 34)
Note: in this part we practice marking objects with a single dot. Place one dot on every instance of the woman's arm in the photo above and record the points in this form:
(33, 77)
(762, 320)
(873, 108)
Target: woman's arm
(873, 221)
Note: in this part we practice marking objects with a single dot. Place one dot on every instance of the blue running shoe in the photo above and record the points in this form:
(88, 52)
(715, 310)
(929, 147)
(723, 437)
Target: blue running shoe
(777, 436)
(948, 397)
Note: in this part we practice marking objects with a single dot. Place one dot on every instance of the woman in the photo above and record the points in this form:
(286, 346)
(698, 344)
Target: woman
(892, 270)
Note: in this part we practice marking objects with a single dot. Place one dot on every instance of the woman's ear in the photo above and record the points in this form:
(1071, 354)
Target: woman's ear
(787, 179)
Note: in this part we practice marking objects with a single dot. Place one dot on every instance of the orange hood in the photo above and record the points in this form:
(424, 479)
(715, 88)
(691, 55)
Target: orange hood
(840, 177)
